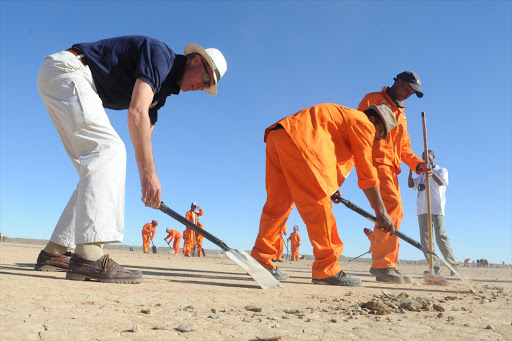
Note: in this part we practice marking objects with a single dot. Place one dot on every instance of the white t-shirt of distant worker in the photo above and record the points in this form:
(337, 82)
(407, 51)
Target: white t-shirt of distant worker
(437, 193)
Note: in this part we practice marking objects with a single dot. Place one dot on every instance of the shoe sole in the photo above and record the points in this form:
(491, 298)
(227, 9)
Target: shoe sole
(48, 268)
(319, 282)
(393, 281)
(80, 277)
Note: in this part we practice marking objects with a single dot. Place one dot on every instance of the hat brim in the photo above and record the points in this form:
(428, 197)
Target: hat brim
(416, 88)
(194, 48)
(387, 125)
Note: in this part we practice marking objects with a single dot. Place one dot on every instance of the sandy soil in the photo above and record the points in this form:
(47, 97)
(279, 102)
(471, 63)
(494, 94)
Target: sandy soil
(213, 299)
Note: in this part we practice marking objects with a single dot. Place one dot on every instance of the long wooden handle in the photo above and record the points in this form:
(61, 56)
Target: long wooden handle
(427, 189)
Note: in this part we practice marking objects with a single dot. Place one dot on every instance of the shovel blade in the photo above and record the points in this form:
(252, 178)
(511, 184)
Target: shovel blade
(261, 275)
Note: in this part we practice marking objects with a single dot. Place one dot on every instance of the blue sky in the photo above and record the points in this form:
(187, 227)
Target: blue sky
(282, 56)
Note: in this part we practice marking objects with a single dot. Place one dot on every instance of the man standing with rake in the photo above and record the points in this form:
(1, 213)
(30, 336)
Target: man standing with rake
(387, 158)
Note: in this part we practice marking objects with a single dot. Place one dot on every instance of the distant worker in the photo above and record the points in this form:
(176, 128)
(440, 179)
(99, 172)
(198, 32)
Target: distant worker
(474, 264)
(176, 235)
(294, 239)
(437, 209)
(148, 234)
(308, 156)
(188, 240)
(388, 155)
(504, 265)
(199, 240)
(466, 262)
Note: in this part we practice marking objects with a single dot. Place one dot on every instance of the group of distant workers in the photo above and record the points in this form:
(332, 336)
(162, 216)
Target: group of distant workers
(191, 239)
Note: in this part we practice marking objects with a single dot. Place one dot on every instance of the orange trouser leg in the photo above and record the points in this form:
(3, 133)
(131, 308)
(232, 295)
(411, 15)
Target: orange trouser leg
(385, 247)
(145, 242)
(176, 245)
(295, 252)
(289, 179)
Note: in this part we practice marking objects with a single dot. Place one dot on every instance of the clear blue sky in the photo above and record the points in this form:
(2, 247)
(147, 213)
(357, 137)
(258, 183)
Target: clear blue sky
(282, 56)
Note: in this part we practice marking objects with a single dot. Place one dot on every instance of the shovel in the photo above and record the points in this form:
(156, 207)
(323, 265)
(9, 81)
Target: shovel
(402, 236)
(261, 275)
(154, 247)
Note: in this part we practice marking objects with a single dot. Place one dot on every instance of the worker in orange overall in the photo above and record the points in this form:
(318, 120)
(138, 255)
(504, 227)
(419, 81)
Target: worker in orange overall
(176, 235)
(189, 240)
(466, 262)
(308, 156)
(388, 155)
(294, 239)
(279, 244)
(199, 240)
(148, 234)
(187, 247)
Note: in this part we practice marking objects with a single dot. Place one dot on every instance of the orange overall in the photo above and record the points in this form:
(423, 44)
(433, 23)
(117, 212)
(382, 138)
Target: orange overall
(295, 243)
(279, 244)
(148, 234)
(387, 158)
(176, 235)
(188, 240)
(199, 239)
(308, 156)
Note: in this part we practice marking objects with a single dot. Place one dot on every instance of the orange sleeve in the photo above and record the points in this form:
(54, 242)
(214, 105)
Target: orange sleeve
(200, 213)
(146, 227)
(298, 238)
(361, 136)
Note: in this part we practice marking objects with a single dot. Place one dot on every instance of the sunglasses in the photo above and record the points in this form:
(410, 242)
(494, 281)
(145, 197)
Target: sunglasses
(206, 75)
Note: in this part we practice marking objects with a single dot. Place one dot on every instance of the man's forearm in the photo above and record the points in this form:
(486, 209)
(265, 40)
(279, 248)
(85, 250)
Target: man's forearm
(375, 199)
(140, 133)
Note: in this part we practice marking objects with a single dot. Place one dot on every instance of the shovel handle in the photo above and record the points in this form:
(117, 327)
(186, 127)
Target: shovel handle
(193, 226)
(373, 219)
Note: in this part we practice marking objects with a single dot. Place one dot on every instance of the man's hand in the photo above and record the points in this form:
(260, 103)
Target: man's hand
(423, 168)
(336, 197)
(151, 191)
(384, 223)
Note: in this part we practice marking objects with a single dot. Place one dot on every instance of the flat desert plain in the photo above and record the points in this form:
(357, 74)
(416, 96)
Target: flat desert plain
(211, 298)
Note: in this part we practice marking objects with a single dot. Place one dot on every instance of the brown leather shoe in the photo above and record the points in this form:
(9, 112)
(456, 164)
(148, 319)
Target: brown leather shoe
(103, 270)
(52, 262)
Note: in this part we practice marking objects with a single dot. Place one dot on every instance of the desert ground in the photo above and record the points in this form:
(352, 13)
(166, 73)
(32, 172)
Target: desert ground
(211, 298)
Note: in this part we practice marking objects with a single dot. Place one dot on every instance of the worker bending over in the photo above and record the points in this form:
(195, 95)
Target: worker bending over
(308, 156)
(176, 235)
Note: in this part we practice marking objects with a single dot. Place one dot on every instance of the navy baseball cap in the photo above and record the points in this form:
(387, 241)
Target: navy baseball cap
(413, 79)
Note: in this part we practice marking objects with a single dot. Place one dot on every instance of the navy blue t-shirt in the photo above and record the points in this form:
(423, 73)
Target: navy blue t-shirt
(116, 63)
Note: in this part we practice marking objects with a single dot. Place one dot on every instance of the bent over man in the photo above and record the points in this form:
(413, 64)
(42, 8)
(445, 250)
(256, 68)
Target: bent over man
(137, 73)
(308, 156)
(176, 235)
(387, 157)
